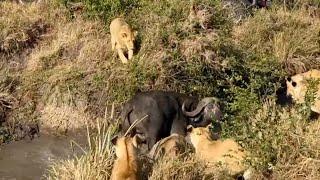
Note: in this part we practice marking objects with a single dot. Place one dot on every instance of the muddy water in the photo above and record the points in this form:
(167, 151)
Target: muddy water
(24, 160)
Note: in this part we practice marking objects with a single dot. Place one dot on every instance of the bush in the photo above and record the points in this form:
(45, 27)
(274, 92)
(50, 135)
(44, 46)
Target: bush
(69, 75)
(105, 9)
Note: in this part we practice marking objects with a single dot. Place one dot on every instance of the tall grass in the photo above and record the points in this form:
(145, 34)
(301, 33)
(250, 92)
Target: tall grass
(60, 68)
(95, 163)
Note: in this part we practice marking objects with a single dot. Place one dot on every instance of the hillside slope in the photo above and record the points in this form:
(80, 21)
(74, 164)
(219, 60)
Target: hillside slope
(57, 70)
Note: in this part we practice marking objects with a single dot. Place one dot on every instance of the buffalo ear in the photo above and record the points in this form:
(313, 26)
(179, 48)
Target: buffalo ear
(189, 128)
(114, 140)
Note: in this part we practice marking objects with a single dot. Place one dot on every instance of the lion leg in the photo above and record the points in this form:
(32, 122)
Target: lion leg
(130, 54)
(113, 43)
(19, 1)
(123, 59)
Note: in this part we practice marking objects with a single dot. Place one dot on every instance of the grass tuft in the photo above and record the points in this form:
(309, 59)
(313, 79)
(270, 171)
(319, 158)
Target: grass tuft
(95, 163)
(59, 67)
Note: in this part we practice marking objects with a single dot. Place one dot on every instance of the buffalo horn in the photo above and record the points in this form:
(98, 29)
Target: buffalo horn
(203, 103)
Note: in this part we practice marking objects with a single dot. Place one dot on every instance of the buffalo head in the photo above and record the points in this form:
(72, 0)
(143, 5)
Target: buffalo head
(207, 110)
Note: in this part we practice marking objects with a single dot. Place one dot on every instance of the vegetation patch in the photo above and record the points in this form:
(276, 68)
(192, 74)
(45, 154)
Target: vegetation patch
(58, 65)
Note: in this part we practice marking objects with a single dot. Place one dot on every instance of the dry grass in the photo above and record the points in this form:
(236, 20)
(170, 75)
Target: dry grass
(73, 50)
(291, 36)
(60, 119)
(283, 143)
(185, 166)
(98, 158)
(78, 43)
(63, 74)
(6, 103)
(22, 26)
(298, 154)
(290, 141)
(51, 67)
(96, 163)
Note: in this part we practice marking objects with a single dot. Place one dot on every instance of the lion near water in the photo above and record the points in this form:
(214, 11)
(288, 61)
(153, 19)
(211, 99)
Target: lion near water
(126, 164)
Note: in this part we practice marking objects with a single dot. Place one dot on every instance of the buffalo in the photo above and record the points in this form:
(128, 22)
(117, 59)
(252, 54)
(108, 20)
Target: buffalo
(165, 113)
(260, 3)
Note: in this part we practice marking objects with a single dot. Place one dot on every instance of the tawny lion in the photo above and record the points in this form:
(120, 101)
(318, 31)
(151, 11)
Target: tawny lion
(122, 38)
(126, 165)
(170, 146)
(297, 87)
(226, 152)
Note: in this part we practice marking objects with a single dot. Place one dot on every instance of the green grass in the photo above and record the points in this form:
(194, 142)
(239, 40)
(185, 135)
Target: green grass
(67, 75)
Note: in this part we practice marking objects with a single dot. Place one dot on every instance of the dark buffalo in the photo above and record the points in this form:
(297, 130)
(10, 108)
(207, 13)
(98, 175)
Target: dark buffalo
(261, 3)
(167, 113)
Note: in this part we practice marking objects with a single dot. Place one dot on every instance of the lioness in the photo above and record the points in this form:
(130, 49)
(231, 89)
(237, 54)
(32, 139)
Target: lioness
(227, 152)
(126, 165)
(170, 146)
(122, 38)
(297, 88)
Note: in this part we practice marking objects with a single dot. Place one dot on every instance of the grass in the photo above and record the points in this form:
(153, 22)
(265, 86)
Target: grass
(7, 102)
(97, 160)
(95, 163)
(58, 65)
(290, 37)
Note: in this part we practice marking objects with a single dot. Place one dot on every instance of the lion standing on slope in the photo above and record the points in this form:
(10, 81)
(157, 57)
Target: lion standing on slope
(122, 38)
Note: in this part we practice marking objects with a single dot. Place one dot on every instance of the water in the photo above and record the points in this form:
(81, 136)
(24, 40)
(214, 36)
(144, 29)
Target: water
(24, 160)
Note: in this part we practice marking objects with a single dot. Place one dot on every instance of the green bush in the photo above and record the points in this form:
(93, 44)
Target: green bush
(203, 54)
(106, 9)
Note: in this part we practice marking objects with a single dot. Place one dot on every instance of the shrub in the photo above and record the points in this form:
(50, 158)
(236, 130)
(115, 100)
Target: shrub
(69, 75)
(105, 9)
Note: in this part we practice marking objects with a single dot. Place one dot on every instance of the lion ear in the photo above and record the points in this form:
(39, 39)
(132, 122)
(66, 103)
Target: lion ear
(189, 128)
(114, 140)
(135, 141)
(288, 79)
(124, 35)
(135, 33)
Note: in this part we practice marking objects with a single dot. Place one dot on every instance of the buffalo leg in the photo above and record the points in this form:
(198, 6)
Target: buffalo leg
(151, 143)
(152, 138)
(178, 126)
(154, 128)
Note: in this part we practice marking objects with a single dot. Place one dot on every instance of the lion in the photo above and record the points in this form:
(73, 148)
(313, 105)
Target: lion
(122, 38)
(227, 153)
(297, 88)
(126, 164)
(170, 146)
